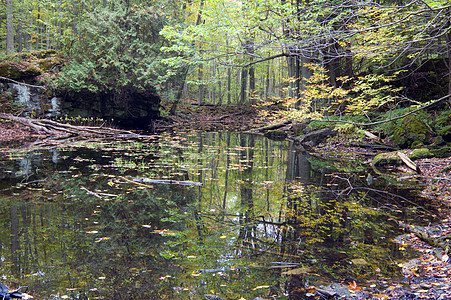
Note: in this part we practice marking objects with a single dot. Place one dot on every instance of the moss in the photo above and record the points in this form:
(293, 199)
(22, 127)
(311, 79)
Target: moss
(387, 159)
(417, 145)
(421, 153)
(277, 135)
(441, 152)
(446, 169)
(20, 70)
(412, 129)
(315, 125)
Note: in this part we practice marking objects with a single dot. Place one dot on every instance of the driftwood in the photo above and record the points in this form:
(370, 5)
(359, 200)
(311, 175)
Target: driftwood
(443, 242)
(409, 163)
(55, 128)
(164, 181)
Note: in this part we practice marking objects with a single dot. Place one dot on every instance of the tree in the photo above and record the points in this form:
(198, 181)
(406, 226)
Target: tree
(9, 27)
(124, 49)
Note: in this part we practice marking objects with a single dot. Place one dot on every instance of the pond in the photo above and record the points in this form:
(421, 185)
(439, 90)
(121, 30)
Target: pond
(82, 221)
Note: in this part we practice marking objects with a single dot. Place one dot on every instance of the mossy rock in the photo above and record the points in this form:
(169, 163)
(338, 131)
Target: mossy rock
(45, 54)
(22, 70)
(46, 64)
(315, 125)
(277, 135)
(421, 153)
(412, 129)
(441, 152)
(387, 159)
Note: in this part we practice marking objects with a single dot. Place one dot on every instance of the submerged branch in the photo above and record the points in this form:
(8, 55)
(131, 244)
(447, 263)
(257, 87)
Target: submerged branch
(165, 181)
(423, 234)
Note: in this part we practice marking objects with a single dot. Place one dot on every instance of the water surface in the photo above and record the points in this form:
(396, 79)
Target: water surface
(267, 221)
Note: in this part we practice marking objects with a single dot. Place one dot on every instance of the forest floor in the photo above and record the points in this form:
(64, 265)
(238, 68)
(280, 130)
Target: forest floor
(429, 276)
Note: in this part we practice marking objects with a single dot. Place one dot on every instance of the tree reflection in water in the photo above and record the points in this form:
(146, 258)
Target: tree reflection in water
(267, 221)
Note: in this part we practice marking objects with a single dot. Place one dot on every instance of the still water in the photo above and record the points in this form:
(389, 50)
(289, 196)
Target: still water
(266, 222)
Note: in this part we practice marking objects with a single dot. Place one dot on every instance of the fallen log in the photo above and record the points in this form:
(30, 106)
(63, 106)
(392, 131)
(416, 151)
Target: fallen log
(443, 242)
(271, 127)
(317, 136)
(57, 129)
(409, 163)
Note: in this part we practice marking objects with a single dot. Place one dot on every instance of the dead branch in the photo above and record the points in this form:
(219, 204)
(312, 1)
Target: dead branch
(165, 181)
(91, 193)
(22, 83)
(423, 234)
(409, 162)
(55, 128)
(271, 127)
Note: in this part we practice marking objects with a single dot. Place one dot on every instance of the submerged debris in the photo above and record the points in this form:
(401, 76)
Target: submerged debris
(6, 293)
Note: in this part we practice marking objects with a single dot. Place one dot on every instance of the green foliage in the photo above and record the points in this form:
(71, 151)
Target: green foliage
(117, 46)
(413, 128)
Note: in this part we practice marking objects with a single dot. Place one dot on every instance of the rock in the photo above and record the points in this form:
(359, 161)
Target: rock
(132, 108)
(277, 135)
(421, 153)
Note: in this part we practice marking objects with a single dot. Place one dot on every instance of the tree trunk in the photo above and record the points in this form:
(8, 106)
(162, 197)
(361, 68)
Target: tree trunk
(201, 85)
(220, 91)
(244, 73)
(448, 45)
(9, 27)
(19, 33)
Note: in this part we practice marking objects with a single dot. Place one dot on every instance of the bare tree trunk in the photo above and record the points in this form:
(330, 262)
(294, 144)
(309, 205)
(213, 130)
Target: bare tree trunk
(220, 91)
(201, 85)
(19, 34)
(213, 86)
(229, 77)
(180, 91)
(448, 45)
(9, 27)
(244, 73)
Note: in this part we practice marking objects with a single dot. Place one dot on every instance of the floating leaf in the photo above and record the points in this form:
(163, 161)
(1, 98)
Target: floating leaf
(359, 262)
(102, 239)
(297, 271)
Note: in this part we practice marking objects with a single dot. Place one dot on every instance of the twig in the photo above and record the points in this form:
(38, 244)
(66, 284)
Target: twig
(137, 183)
(91, 193)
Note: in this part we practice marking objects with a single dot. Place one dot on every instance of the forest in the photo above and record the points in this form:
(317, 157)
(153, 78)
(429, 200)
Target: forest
(342, 59)
(359, 92)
